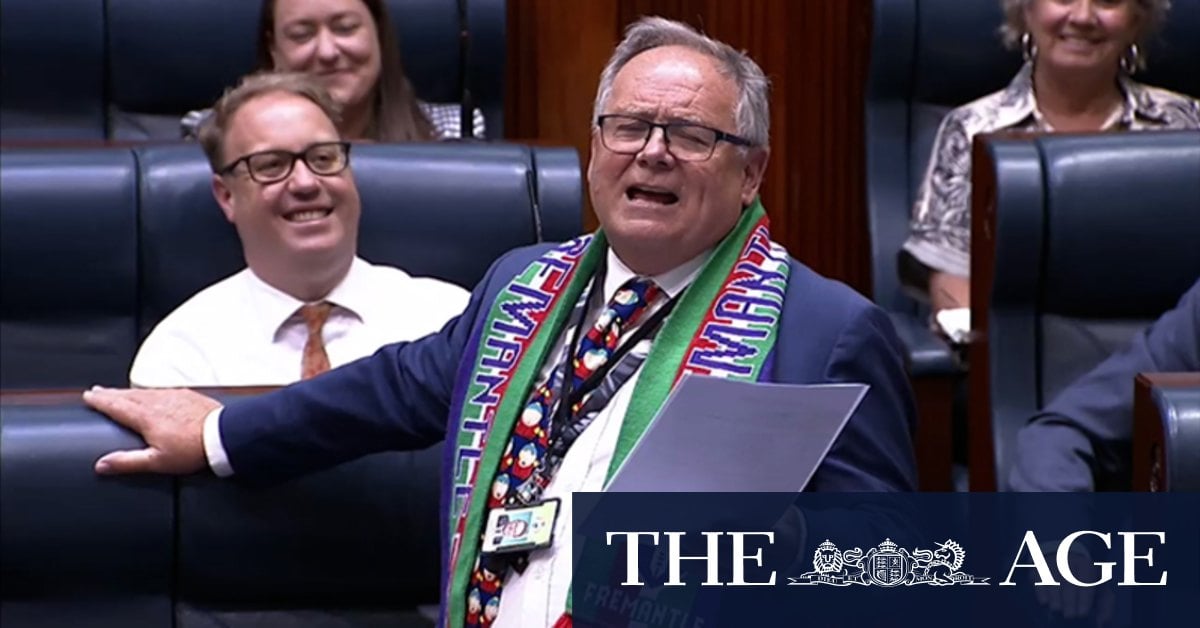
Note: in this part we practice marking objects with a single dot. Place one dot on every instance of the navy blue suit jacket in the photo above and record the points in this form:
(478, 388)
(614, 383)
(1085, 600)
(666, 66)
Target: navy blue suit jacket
(400, 397)
(1083, 438)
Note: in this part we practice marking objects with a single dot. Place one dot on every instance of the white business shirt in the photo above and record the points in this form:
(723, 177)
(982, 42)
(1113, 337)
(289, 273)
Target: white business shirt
(243, 332)
(538, 596)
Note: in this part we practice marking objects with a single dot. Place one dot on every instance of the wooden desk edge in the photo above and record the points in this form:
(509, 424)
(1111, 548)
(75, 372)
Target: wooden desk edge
(60, 396)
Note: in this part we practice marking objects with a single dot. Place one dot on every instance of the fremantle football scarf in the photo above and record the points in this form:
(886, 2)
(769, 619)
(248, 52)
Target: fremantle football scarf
(724, 326)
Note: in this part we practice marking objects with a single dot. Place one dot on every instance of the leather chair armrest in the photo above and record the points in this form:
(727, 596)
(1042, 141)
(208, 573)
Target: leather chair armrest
(1166, 432)
(1180, 412)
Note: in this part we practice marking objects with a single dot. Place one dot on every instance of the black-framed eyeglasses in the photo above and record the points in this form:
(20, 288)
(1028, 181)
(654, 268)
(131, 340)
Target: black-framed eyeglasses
(271, 166)
(628, 135)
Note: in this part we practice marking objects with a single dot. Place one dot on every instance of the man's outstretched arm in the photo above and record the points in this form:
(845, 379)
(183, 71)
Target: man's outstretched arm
(397, 398)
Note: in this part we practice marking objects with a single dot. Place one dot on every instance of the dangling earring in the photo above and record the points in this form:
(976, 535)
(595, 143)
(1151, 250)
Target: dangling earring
(1129, 60)
(1028, 48)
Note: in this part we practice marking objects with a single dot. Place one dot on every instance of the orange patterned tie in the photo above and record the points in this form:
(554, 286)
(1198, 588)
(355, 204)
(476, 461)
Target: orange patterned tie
(315, 361)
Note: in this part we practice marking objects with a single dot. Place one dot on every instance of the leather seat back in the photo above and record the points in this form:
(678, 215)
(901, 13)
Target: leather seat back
(68, 267)
(100, 244)
(51, 70)
(162, 64)
(1095, 238)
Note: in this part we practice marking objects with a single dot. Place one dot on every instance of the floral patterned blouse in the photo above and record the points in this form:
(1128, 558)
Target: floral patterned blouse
(940, 230)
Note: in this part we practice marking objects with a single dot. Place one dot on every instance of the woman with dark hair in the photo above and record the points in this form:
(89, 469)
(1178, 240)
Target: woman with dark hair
(1080, 56)
(351, 47)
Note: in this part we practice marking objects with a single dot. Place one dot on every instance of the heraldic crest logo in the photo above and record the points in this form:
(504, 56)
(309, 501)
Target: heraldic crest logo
(888, 565)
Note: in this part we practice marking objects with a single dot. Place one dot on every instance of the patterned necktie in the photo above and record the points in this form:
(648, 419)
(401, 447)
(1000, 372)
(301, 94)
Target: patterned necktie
(315, 360)
(525, 469)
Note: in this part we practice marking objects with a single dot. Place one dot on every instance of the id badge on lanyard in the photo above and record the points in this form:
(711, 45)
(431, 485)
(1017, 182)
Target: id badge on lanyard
(520, 528)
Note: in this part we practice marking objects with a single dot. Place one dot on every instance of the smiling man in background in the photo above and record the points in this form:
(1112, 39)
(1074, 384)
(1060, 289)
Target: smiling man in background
(306, 302)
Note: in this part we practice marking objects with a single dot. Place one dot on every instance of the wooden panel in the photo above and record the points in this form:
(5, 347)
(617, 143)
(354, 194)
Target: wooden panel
(935, 432)
(556, 51)
(815, 53)
(1149, 470)
(981, 453)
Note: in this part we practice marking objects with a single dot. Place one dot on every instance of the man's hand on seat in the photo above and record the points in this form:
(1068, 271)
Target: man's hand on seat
(171, 421)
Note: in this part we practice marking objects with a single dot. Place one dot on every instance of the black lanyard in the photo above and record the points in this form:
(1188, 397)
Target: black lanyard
(567, 396)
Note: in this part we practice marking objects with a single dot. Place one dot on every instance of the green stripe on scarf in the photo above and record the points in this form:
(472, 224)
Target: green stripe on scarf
(661, 368)
(515, 396)
(658, 375)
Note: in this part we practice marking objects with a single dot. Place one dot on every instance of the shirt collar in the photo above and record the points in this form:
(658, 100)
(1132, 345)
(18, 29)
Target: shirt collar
(353, 294)
(275, 307)
(1018, 103)
(672, 282)
(1016, 100)
(1139, 102)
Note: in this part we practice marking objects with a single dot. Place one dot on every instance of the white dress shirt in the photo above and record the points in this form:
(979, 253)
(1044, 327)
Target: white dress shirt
(538, 596)
(243, 332)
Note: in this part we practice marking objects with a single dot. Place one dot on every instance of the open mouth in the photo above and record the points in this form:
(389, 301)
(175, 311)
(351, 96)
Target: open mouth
(307, 215)
(660, 197)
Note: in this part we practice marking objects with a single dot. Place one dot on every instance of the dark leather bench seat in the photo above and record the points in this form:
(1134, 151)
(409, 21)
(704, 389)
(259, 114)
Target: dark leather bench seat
(97, 246)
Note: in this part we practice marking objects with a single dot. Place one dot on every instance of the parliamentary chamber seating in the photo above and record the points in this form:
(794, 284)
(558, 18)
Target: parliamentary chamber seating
(1083, 241)
(927, 57)
(107, 223)
(99, 244)
(91, 70)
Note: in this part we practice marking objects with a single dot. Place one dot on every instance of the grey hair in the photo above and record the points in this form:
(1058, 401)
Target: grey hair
(752, 114)
(1154, 14)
